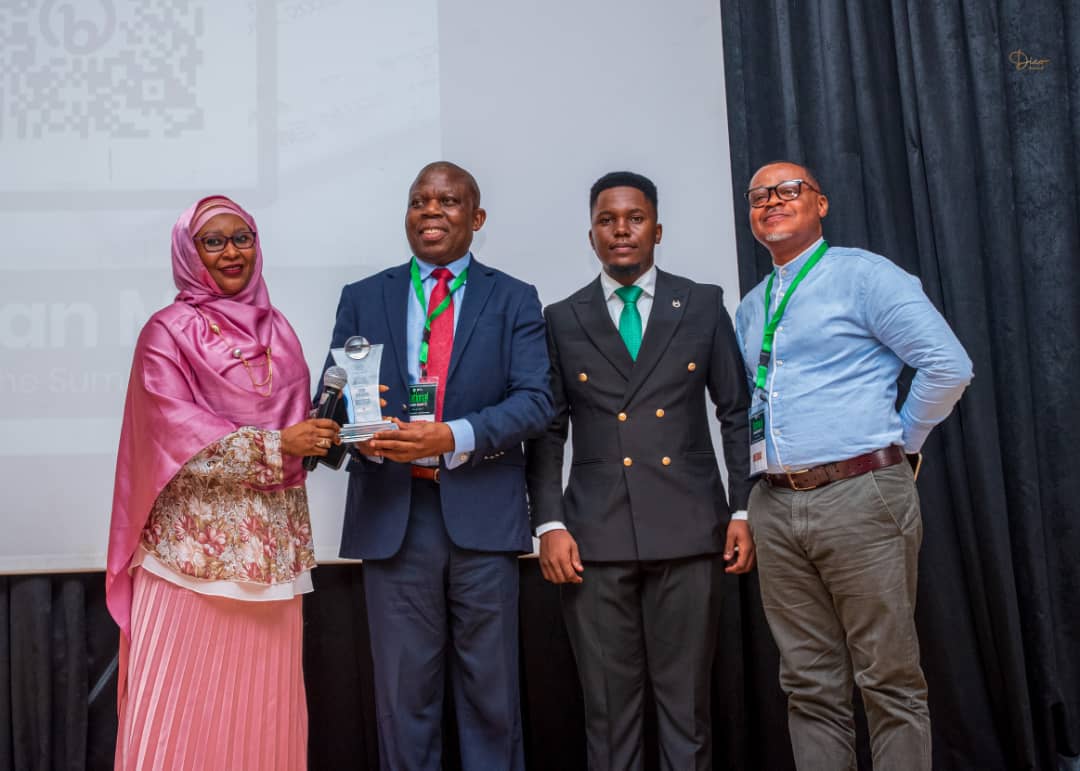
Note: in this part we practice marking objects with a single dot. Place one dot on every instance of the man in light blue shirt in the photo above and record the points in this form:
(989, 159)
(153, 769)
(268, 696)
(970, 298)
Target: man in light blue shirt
(836, 513)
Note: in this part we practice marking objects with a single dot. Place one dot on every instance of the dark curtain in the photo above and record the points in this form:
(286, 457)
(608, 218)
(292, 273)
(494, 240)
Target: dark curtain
(58, 678)
(57, 685)
(945, 133)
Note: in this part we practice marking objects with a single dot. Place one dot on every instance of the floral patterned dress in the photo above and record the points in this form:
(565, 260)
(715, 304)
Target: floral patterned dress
(220, 528)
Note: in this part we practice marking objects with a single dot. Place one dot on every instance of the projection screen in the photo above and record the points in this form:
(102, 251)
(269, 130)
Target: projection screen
(315, 115)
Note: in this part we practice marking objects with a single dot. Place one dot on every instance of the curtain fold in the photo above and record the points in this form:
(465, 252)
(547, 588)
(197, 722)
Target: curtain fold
(55, 634)
(946, 136)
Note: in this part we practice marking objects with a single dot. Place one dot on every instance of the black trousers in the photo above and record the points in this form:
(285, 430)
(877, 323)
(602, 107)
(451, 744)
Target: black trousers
(635, 625)
(434, 606)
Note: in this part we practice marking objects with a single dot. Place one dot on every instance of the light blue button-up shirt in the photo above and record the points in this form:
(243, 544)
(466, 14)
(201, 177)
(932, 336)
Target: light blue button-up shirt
(464, 436)
(850, 327)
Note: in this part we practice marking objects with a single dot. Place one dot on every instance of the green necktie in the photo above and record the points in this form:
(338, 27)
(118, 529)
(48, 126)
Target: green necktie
(630, 319)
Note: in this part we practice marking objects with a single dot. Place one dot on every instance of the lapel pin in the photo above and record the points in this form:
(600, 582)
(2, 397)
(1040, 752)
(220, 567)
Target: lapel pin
(676, 304)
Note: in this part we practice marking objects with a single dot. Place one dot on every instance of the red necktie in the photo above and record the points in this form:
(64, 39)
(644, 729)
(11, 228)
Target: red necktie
(441, 342)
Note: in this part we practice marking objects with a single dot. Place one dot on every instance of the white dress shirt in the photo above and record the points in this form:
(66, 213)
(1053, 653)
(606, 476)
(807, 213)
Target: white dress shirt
(647, 282)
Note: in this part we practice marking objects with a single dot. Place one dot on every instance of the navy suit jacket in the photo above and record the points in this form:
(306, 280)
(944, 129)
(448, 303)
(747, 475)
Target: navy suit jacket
(498, 381)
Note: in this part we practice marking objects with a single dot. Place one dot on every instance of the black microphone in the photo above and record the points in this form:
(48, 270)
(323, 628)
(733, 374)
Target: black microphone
(334, 379)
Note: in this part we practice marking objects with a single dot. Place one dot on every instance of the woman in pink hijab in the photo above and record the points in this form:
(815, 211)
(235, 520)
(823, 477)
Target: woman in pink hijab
(210, 542)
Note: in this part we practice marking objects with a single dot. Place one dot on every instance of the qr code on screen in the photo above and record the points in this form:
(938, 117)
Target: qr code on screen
(100, 68)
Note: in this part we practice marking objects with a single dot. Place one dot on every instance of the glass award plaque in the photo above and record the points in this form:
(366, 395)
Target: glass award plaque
(361, 360)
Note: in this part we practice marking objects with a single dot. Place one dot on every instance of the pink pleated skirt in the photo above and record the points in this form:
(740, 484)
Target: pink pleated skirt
(211, 683)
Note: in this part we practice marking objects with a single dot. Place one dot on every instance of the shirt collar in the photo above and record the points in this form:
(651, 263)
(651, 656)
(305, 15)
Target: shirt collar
(455, 267)
(798, 261)
(647, 282)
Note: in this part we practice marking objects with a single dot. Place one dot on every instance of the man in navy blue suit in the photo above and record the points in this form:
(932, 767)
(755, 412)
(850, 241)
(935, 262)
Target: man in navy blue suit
(437, 509)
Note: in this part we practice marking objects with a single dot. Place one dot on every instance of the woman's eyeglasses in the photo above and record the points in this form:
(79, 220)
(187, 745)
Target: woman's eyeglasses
(216, 243)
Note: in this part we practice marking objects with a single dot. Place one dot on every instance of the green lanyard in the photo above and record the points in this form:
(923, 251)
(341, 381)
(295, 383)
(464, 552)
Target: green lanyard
(772, 323)
(418, 287)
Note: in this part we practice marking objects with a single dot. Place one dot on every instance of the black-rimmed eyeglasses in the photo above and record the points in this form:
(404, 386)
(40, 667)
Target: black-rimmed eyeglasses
(215, 243)
(788, 190)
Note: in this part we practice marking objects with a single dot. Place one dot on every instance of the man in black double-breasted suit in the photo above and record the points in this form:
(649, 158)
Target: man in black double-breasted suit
(640, 539)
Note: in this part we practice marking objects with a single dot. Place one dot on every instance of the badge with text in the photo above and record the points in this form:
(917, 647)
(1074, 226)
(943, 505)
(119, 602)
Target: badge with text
(758, 462)
(422, 400)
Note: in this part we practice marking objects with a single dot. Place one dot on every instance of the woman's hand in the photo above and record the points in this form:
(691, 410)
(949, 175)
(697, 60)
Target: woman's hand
(313, 436)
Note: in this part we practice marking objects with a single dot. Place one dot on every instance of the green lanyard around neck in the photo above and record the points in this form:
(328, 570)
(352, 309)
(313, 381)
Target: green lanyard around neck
(418, 287)
(772, 323)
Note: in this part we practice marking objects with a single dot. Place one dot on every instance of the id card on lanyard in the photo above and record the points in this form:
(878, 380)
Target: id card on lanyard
(758, 460)
(422, 400)
(422, 397)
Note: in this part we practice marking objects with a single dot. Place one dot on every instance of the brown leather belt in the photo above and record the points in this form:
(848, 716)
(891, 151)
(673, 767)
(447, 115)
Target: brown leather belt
(430, 473)
(818, 476)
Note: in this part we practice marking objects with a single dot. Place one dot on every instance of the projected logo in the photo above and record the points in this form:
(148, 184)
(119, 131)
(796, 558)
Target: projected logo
(135, 103)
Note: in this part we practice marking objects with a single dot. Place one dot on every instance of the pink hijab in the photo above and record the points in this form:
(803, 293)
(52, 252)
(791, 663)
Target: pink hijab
(187, 389)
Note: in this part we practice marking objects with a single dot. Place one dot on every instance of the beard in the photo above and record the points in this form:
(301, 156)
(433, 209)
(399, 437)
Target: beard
(623, 270)
(772, 238)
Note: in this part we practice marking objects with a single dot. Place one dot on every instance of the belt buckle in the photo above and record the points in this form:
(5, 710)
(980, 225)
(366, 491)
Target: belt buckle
(795, 485)
(427, 473)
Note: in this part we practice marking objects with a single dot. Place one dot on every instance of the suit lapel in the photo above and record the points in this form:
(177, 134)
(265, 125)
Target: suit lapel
(478, 286)
(592, 314)
(669, 302)
(396, 300)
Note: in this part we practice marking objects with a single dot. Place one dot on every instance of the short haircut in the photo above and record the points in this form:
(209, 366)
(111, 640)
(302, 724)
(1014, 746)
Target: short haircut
(622, 179)
(454, 170)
